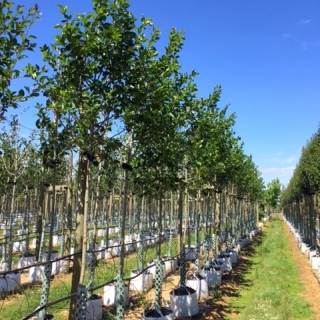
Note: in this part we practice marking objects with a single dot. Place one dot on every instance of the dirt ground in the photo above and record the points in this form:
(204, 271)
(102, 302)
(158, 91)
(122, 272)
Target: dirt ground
(308, 277)
(217, 307)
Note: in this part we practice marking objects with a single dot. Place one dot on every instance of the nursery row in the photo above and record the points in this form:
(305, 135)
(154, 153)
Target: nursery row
(209, 275)
(310, 249)
(122, 139)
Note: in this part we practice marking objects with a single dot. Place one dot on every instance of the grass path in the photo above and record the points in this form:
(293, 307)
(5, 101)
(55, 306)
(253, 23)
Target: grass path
(270, 288)
(272, 281)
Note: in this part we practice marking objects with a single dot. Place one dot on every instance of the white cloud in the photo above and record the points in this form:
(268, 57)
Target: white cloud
(289, 160)
(282, 170)
(304, 22)
(280, 165)
(279, 160)
(283, 173)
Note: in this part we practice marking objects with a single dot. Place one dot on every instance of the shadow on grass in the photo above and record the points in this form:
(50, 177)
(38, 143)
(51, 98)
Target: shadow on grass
(217, 305)
(233, 283)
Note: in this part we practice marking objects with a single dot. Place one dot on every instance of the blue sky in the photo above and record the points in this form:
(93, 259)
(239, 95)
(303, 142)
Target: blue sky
(264, 54)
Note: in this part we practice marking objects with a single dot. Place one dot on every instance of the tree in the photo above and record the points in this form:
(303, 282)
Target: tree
(16, 154)
(309, 166)
(93, 62)
(156, 119)
(15, 41)
(272, 194)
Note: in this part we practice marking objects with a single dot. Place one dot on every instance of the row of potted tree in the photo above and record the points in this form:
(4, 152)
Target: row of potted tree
(130, 118)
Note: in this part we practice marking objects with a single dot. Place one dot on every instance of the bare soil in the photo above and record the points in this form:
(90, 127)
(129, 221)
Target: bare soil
(217, 306)
(308, 277)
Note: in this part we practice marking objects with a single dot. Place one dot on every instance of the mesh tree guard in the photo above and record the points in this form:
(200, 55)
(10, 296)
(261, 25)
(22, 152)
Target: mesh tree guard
(81, 306)
(183, 266)
(10, 247)
(92, 263)
(41, 246)
(120, 298)
(45, 288)
(206, 248)
(140, 252)
(158, 283)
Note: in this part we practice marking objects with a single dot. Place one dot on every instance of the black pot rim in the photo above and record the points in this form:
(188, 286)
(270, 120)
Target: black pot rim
(182, 291)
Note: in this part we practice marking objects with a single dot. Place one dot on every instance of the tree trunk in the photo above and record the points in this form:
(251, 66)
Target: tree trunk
(180, 211)
(80, 228)
(217, 206)
(69, 204)
(40, 217)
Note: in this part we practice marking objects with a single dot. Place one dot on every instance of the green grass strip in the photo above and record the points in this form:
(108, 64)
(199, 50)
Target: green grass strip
(270, 286)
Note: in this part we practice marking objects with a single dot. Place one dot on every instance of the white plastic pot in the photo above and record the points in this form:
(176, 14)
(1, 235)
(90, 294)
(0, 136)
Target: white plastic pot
(304, 247)
(26, 261)
(148, 240)
(199, 284)
(94, 308)
(103, 243)
(110, 295)
(145, 234)
(142, 282)
(129, 247)
(63, 266)
(219, 272)
(170, 265)
(10, 282)
(154, 239)
(152, 269)
(226, 260)
(53, 255)
(34, 243)
(116, 250)
(190, 253)
(17, 246)
(233, 255)
(183, 302)
(212, 276)
(128, 238)
(311, 254)
(55, 240)
(4, 266)
(35, 274)
(315, 262)
(243, 242)
(101, 232)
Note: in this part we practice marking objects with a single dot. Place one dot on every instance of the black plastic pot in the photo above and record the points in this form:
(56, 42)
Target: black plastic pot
(153, 313)
(182, 291)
